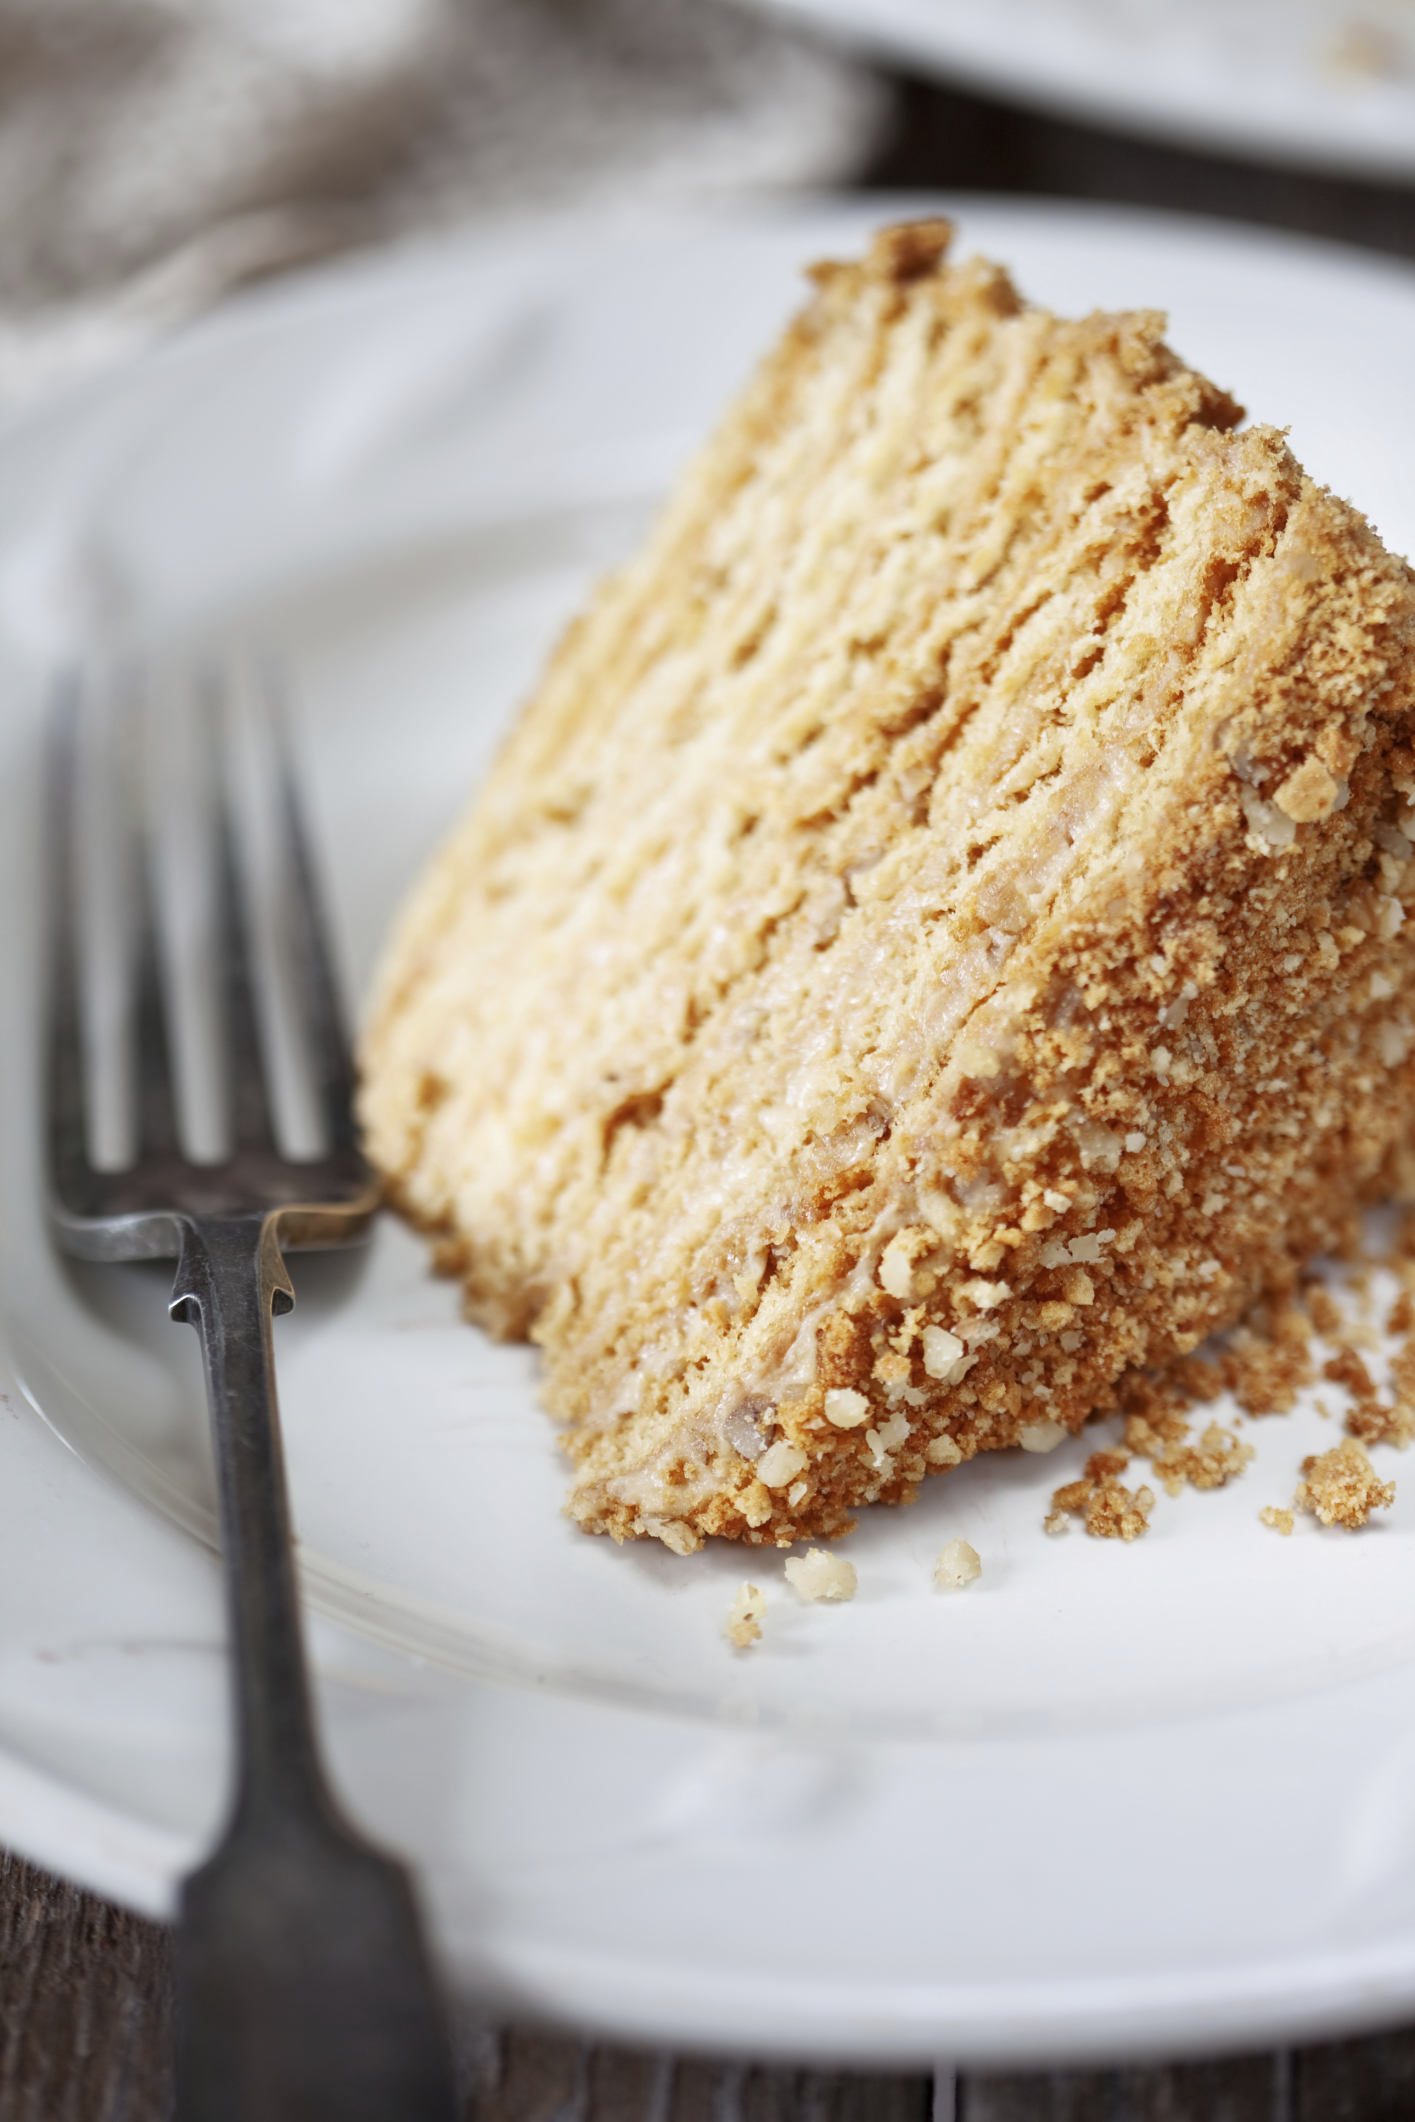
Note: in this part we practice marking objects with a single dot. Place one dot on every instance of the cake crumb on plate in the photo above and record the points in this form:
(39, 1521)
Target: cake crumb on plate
(1341, 1487)
(817, 1575)
(744, 1616)
(1110, 1510)
(1163, 1437)
(1372, 1422)
(958, 1565)
(1281, 1521)
(1113, 1513)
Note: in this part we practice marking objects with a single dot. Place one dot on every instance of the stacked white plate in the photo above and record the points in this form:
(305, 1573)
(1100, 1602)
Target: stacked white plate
(1322, 83)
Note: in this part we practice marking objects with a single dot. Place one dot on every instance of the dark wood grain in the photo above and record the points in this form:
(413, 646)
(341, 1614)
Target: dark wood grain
(1240, 2089)
(85, 2005)
(526, 2076)
(1356, 2081)
(85, 2032)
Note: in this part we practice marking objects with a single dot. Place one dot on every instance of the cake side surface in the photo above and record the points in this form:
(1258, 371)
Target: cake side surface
(935, 938)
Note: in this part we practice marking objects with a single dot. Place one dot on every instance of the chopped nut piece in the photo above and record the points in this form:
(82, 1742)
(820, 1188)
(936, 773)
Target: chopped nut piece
(675, 1535)
(817, 1575)
(1043, 1436)
(941, 1351)
(846, 1409)
(1308, 793)
(1341, 1486)
(1077, 1286)
(942, 1451)
(899, 1267)
(956, 1566)
(1281, 1521)
(744, 1616)
(779, 1466)
(887, 1438)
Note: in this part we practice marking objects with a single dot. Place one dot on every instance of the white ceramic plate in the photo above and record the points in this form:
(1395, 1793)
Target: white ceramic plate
(1325, 83)
(1108, 1800)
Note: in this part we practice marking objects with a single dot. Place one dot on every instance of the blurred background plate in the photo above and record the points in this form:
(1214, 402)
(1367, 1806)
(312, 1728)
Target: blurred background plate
(1110, 1800)
(1323, 83)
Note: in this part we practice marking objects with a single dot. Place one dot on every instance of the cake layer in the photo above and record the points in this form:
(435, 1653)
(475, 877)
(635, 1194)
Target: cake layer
(935, 938)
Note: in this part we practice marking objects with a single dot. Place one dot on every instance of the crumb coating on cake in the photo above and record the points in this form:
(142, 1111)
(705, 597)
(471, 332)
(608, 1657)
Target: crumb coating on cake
(936, 938)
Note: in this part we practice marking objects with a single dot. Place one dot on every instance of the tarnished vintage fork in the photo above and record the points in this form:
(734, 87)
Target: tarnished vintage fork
(304, 1993)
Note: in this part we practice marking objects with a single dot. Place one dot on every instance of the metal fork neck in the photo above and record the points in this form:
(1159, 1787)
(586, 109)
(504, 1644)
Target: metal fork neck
(231, 1281)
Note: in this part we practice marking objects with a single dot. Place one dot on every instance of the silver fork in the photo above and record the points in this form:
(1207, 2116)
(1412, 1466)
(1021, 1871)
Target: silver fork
(304, 1993)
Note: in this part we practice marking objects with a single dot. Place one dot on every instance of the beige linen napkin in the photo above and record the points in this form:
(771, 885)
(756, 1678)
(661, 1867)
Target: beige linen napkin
(155, 153)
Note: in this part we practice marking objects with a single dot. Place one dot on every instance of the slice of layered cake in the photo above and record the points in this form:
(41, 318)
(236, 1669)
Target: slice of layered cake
(936, 937)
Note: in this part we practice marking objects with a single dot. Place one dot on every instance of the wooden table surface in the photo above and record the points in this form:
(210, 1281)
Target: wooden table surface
(85, 1989)
(86, 2021)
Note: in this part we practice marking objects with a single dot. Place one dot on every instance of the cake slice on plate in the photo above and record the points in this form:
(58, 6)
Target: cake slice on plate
(936, 937)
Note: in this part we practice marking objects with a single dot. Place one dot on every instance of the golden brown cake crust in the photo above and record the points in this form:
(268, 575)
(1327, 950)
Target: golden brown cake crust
(935, 938)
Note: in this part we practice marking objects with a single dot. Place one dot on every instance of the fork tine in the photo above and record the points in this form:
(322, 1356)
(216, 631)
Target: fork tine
(165, 943)
(246, 1097)
(156, 1096)
(327, 1040)
(68, 1126)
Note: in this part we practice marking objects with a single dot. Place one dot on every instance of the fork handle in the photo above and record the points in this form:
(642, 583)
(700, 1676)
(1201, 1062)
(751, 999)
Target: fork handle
(303, 1990)
(231, 1283)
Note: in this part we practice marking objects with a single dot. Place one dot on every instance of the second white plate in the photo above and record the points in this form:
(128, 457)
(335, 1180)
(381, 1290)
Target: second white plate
(1319, 83)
